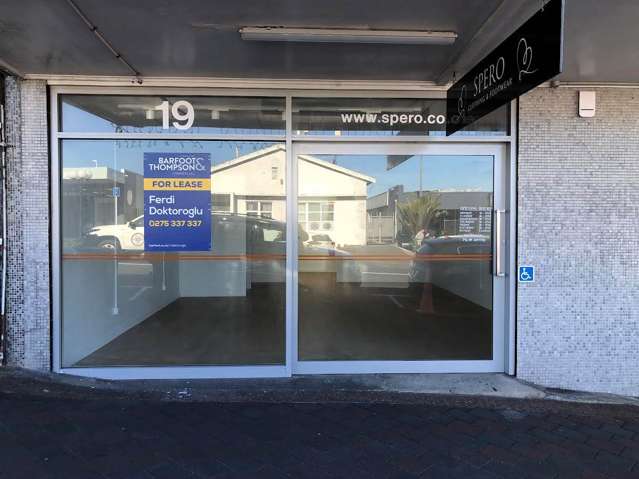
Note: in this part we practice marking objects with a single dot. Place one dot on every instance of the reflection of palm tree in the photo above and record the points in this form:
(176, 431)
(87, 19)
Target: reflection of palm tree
(418, 214)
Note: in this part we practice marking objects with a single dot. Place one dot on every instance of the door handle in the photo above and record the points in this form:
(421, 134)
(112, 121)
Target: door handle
(499, 243)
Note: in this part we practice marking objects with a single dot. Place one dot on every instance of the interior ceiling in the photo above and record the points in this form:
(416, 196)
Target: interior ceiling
(199, 38)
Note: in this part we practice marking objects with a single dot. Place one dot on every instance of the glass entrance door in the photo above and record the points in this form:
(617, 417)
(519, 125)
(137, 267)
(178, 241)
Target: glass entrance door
(399, 258)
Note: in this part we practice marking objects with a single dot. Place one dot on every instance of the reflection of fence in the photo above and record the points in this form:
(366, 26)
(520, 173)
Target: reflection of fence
(380, 229)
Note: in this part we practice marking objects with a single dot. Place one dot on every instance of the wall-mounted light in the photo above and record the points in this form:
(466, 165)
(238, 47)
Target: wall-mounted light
(150, 115)
(348, 35)
(215, 114)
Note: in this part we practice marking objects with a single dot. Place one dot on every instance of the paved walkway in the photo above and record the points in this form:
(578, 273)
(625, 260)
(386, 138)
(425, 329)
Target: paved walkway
(53, 433)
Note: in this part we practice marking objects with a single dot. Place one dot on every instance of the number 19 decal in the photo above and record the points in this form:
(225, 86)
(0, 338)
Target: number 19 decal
(181, 110)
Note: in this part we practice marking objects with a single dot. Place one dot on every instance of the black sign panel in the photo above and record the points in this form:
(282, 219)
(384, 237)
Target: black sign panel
(527, 58)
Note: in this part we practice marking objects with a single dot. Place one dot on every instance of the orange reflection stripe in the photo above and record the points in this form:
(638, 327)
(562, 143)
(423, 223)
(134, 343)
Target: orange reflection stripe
(262, 257)
(169, 257)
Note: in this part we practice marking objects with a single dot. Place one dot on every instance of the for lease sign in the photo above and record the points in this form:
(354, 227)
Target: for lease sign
(177, 201)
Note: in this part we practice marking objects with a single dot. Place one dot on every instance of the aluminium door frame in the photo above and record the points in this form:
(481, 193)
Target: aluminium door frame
(499, 362)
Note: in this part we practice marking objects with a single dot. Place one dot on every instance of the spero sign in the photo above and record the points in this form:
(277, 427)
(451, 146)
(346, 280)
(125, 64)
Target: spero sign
(530, 56)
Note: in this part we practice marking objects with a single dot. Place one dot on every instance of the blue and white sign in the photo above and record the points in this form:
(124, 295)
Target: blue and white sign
(115, 191)
(177, 202)
(526, 274)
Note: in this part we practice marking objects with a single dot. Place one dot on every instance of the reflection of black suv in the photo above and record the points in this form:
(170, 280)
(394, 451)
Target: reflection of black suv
(261, 240)
(449, 258)
(264, 242)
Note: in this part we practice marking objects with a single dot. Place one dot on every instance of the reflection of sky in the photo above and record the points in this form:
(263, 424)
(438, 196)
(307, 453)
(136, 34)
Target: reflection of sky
(438, 172)
(451, 172)
(75, 119)
(129, 154)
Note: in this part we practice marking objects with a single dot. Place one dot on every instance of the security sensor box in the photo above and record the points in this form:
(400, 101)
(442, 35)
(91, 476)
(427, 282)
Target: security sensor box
(587, 104)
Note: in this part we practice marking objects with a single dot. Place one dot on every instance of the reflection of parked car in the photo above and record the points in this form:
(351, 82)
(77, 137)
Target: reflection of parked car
(262, 240)
(129, 236)
(321, 240)
(441, 259)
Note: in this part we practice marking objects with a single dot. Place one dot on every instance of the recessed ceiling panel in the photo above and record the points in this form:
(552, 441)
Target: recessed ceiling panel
(194, 38)
(200, 37)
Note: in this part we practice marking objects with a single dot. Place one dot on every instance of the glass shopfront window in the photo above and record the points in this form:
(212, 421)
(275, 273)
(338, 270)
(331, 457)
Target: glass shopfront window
(397, 266)
(126, 305)
(172, 239)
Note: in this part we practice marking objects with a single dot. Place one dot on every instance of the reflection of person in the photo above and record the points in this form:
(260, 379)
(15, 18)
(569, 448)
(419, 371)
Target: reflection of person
(425, 234)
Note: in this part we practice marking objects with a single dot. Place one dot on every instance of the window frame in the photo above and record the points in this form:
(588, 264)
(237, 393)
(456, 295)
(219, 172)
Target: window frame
(213, 203)
(235, 87)
(307, 221)
(259, 212)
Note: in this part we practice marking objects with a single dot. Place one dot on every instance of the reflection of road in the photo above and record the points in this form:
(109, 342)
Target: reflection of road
(378, 265)
(135, 279)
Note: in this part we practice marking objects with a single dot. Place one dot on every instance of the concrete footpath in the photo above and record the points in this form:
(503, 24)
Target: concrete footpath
(321, 427)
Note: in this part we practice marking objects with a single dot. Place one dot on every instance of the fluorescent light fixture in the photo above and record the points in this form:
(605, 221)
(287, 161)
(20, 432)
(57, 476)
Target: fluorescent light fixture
(347, 35)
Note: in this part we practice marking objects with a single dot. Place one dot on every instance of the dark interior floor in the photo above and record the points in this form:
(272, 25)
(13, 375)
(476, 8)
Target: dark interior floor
(387, 324)
(237, 330)
(347, 323)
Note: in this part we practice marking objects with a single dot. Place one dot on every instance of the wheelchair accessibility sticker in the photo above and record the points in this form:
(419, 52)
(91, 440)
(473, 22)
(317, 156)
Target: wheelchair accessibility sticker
(526, 274)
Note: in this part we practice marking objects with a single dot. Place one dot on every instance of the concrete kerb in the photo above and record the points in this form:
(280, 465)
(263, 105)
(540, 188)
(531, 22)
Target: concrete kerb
(457, 390)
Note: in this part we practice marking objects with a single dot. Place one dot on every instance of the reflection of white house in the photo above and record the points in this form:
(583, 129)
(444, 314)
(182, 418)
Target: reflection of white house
(332, 199)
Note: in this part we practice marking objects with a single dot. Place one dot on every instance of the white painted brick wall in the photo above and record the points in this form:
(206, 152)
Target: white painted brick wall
(28, 284)
(578, 220)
